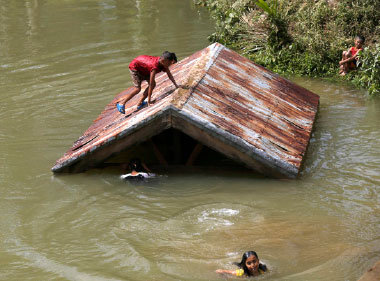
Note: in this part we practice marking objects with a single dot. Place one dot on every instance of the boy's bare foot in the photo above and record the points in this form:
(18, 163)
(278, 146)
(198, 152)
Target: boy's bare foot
(151, 102)
(342, 73)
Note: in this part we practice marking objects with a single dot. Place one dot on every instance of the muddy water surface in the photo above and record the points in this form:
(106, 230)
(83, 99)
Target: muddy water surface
(61, 62)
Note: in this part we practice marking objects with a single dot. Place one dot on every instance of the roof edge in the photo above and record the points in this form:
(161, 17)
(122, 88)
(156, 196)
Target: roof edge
(104, 142)
(284, 168)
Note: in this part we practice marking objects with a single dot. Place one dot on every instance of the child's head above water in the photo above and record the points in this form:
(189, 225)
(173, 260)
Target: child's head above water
(135, 165)
(250, 263)
(249, 266)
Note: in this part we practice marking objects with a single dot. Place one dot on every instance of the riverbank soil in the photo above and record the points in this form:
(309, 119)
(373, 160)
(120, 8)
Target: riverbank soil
(373, 274)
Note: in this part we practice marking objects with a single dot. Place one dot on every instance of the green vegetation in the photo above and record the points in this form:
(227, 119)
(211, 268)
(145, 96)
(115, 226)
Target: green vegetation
(301, 37)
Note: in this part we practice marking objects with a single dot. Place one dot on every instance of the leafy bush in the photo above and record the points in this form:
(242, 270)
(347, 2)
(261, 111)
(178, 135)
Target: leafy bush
(368, 75)
(300, 37)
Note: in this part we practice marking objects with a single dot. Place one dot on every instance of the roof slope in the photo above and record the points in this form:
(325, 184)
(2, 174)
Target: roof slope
(232, 105)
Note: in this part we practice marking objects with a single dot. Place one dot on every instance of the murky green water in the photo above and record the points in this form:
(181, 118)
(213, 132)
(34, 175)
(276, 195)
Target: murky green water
(61, 62)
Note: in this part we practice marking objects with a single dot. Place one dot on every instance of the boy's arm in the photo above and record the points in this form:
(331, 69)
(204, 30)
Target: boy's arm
(151, 83)
(146, 167)
(171, 77)
(350, 58)
(225, 271)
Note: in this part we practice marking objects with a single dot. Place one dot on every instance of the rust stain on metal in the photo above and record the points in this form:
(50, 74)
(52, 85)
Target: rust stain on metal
(245, 106)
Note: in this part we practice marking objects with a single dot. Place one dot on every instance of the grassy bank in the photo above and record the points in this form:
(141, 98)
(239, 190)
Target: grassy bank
(301, 37)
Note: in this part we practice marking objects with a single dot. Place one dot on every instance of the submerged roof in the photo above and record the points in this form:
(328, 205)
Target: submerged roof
(232, 105)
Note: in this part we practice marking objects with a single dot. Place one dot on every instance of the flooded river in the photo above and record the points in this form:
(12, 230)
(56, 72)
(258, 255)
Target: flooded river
(61, 62)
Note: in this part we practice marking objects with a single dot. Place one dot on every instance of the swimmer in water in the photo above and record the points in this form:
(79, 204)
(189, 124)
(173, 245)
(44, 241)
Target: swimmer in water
(138, 171)
(250, 265)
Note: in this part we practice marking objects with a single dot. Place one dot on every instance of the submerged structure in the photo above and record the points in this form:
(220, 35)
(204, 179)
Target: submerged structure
(231, 105)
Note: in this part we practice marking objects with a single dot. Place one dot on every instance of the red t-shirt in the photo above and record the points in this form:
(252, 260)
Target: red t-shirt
(353, 51)
(145, 64)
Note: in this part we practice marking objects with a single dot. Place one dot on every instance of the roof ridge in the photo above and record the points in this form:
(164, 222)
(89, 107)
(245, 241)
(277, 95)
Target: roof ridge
(196, 74)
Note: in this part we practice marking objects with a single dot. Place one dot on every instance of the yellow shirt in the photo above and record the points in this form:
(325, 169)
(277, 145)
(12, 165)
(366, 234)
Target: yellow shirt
(240, 272)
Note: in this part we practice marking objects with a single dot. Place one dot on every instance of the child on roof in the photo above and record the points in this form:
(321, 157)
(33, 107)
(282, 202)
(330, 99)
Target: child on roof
(249, 265)
(145, 68)
(350, 57)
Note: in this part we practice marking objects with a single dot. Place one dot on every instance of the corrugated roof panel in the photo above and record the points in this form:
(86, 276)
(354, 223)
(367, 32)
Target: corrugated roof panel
(246, 100)
(258, 112)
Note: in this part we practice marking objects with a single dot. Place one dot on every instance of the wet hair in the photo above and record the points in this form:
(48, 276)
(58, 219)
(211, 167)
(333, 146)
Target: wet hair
(169, 56)
(244, 258)
(135, 165)
(361, 38)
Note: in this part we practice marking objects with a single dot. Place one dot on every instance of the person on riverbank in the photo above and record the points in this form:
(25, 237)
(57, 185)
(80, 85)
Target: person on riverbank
(350, 57)
(138, 171)
(145, 68)
(249, 265)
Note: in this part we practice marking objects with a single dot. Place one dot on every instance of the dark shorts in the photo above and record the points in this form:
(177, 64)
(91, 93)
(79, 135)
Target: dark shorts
(137, 78)
(352, 65)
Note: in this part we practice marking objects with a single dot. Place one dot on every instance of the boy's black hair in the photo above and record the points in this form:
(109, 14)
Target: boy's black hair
(244, 258)
(135, 165)
(169, 56)
(361, 38)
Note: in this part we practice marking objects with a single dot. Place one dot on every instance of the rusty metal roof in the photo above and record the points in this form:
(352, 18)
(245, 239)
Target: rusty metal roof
(233, 105)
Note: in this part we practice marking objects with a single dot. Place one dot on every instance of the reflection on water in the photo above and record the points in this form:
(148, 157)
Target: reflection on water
(61, 62)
